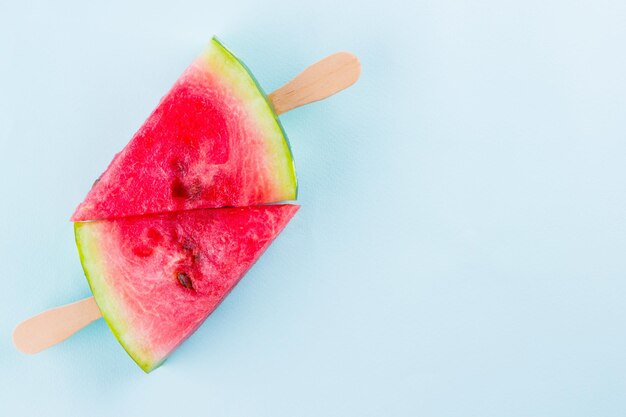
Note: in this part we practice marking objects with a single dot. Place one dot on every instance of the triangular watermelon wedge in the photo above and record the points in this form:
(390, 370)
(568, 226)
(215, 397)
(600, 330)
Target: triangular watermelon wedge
(156, 278)
(213, 141)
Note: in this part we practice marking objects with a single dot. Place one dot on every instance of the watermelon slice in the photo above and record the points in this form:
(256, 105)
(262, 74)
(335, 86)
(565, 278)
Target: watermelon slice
(157, 277)
(213, 141)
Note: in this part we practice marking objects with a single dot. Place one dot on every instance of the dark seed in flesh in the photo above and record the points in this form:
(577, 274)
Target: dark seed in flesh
(184, 280)
(178, 189)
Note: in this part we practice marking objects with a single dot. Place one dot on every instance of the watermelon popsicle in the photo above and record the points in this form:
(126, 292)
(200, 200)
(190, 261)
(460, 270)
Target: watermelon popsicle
(213, 141)
(187, 262)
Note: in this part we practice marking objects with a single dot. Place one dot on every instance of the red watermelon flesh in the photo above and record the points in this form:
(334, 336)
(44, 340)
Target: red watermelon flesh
(213, 141)
(157, 277)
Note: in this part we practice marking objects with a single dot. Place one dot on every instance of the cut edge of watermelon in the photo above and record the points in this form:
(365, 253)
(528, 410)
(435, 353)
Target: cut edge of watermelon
(291, 177)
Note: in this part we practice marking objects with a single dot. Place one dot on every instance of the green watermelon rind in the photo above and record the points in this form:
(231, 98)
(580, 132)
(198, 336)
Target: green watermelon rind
(86, 251)
(270, 108)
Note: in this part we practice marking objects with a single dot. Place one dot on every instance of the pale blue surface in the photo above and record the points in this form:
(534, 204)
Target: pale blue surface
(460, 250)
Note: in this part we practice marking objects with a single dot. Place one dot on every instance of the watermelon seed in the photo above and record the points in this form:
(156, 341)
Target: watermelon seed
(181, 190)
(96, 181)
(178, 189)
(184, 280)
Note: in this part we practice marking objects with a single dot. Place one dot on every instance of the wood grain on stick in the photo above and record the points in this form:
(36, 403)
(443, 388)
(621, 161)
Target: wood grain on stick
(54, 325)
(322, 79)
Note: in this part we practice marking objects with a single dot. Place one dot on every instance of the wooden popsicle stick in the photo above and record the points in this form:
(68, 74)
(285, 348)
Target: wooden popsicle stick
(320, 80)
(55, 325)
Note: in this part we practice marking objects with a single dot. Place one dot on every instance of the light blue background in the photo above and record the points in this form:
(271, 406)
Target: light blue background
(461, 247)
